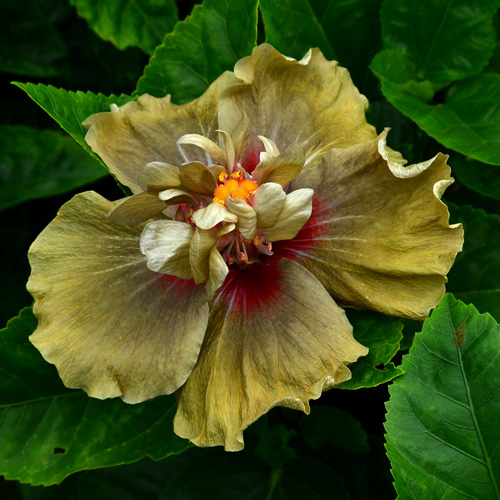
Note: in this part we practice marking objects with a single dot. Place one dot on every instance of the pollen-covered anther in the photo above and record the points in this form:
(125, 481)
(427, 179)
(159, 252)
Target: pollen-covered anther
(238, 187)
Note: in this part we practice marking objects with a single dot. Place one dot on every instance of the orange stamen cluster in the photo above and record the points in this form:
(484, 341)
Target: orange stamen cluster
(236, 187)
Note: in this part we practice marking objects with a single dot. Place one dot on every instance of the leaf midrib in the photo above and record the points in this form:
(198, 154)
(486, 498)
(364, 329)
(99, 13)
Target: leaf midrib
(487, 459)
(39, 400)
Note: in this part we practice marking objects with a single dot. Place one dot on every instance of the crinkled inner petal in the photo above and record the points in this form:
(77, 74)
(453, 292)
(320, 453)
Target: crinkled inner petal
(247, 216)
(312, 102)
(378, 239)
(147, 130)
(268, 202)
(110, 325)
(137, 208)
(208, 217)
(165, 243)
(294, 213)
(275, 338)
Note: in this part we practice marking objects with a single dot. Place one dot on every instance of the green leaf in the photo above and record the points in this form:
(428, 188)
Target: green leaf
(327, 425)
(381, 334)
(446, 40)
(243, 477)
(345, 30)
(301, 31)
(468, 120)
(209, 41)
(38, 163)
(140, 23)
(443, 437)
(69, 109)
(29, 43)
(48, 431)
(475, 276)
(144, 480)
(482, 178)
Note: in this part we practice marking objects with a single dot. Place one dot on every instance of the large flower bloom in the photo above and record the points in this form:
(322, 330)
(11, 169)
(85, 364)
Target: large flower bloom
(258, 209)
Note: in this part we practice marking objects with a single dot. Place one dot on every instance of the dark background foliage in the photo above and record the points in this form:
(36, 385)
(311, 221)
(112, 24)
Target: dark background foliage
(435, 86)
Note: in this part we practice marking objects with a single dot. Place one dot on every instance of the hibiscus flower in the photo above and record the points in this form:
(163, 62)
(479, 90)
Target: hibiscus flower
(258, 210)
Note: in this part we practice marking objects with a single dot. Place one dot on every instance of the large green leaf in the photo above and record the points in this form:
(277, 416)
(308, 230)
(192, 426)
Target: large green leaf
(475, 276)
(200, 48)
(301, 31)
(431, 44)
(38, 163)
(138, 23)
(468, 120)
(381, 334)
(69, 109)
(482, 178)
(144, 480)
(443, 437)
(345, 30)
(447, 40)
(47, 431)
(29, 43)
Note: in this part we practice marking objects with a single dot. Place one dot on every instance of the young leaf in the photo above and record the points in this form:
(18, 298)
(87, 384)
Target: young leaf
(48, 431)
(209, 41)
(442, 434)
(475, 276)
(381, 334)
(142, 23)
(446, 41)
(38, 163)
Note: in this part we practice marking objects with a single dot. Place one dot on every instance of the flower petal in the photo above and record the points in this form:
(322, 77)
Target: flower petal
(199, 253)
(208, 217)
(385, 245)
(165, 243)
(268, 202)
(294, 214)
(280, 169)
(218, 271)
(137, 209)
(247, 216)
(214, 150)
(275, 338)
(110, 325)
(197, 178)
(312, 102)
(147, 130)
(158, 176)
(175, 196)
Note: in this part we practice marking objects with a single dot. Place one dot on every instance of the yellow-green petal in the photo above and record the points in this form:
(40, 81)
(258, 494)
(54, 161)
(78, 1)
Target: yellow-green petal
(379, 237)
(147, 130)
(111, 326)
(312, 102)
(281, 348)
(137, 208)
